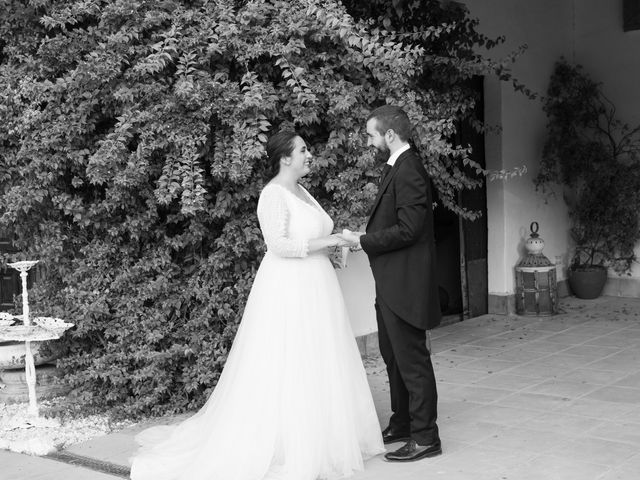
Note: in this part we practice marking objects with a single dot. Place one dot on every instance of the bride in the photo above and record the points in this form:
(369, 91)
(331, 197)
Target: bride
(292, 402)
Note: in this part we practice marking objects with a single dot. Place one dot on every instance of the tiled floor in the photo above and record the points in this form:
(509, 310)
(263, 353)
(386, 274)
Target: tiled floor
(520, 398)
(534, 398)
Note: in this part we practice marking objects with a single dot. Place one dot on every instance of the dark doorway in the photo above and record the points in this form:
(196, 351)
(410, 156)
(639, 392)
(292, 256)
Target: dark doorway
(461, 245)
(475, 284)
(9, 279)
(447, 235)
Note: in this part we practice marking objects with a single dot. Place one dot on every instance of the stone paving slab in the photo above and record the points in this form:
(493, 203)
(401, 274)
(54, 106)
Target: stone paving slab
(520, 398)
(118, 447)
(15, 466)
(114, 448)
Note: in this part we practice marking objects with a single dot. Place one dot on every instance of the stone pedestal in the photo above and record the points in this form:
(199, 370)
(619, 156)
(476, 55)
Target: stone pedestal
(12, 355)
(14, 388)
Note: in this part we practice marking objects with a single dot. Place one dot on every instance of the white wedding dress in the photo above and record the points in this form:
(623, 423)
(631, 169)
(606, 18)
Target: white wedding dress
(292, 402)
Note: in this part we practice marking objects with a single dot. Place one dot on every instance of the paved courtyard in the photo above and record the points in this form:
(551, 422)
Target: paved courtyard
(521, 398)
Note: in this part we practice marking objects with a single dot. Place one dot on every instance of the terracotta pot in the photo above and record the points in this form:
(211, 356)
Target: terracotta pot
(12, 355)
(587, 282)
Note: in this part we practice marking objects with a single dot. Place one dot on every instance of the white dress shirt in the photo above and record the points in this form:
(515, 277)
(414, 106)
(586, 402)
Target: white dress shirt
(392, 159)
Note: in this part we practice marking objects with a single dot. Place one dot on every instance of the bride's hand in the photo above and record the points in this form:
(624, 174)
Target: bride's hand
(327, 243)
(353, 238)
(338, 240)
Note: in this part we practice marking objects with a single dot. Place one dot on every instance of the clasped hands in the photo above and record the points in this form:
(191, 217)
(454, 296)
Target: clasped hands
(348, 239)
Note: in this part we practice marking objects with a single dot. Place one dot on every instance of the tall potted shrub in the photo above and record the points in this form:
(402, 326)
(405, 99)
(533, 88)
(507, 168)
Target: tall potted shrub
(595, 156)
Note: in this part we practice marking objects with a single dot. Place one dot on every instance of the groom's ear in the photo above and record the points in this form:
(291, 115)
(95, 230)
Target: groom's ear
(390, 136)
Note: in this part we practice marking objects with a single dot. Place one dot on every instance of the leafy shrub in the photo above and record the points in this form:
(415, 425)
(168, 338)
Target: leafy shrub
(595, 156)
(132, 156)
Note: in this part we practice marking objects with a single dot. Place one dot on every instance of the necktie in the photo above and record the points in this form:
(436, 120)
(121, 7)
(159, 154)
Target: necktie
(385, 172)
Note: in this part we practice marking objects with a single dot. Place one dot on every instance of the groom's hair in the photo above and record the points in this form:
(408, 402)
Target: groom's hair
(280, 145)
(394, 118)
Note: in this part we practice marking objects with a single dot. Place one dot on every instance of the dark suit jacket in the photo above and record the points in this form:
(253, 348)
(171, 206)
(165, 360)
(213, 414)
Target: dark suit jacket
(400, 245)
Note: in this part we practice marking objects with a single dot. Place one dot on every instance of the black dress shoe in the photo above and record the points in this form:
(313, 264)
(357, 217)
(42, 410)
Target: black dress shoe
(412, 451)
(389, 436)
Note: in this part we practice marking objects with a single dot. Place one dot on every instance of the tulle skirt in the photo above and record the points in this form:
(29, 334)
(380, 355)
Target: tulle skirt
(292, 403)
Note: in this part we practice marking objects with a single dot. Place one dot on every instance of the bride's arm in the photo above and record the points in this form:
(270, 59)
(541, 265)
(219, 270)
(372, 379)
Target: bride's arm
(273, 216)
(323, 243)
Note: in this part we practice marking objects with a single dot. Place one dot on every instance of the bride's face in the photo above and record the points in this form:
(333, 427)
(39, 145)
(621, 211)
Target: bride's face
(300, 158)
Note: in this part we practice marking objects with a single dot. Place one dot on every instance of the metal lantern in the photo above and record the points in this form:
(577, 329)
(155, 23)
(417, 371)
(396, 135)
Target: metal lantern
(536, 286)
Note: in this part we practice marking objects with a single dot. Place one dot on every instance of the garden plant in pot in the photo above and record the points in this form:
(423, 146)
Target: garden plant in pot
(596, 159)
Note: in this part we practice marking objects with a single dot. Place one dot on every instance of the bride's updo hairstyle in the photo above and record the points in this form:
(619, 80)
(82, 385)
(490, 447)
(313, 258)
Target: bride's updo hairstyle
(280, 145)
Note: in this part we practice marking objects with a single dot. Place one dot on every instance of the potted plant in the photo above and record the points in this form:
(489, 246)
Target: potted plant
(596, 158)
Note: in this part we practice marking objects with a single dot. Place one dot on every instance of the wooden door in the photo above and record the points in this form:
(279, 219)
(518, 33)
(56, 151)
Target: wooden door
(9, 279)
(473, 239)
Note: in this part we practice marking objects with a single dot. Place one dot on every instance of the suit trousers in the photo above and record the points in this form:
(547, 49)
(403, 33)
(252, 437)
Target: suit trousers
(412, 383)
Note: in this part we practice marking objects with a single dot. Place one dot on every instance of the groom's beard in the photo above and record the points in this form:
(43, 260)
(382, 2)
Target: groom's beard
(382, 155)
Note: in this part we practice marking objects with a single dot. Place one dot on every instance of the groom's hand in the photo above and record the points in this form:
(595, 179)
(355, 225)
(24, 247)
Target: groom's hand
(353, 238)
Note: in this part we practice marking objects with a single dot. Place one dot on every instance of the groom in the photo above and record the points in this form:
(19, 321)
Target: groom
(400, 245)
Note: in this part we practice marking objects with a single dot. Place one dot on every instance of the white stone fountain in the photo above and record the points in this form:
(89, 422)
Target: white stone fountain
(42, 328)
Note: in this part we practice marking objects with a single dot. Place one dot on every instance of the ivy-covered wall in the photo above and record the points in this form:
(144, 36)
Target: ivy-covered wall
(132, 140)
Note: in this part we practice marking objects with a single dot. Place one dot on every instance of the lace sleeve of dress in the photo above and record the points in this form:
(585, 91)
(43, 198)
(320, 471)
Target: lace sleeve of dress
(273, 215)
